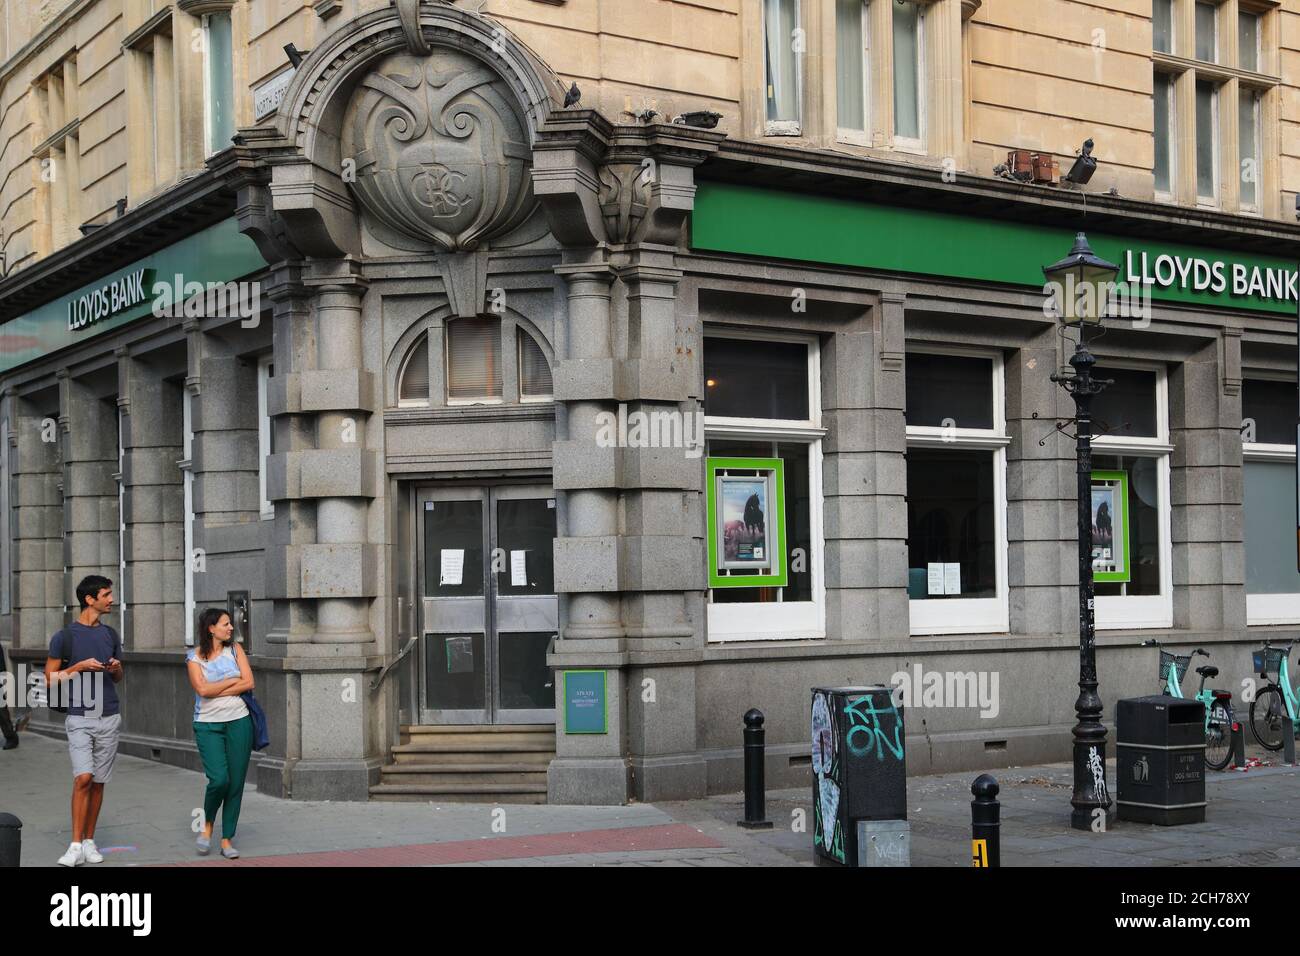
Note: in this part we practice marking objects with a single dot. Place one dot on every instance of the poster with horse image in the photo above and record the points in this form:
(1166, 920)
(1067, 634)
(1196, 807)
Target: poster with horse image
(1110, 533)
(744, 521)
(746, 514)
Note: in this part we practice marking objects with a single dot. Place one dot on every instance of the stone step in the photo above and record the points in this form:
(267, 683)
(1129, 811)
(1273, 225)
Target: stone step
(438, 774)
(472, 755)
(492, 793)
(463, 745)
(479, 729)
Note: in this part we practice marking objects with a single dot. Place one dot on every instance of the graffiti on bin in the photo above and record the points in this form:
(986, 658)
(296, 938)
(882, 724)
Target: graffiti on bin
(874, 728)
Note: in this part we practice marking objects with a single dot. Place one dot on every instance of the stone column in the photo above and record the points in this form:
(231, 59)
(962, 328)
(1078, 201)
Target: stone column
(339, 570)
(152, 423)
(90, 511)
(37, 522)
(1042, 527)
(661, 552)
(588, 769)
(323, 483)
(1209, 564)
(864, 478)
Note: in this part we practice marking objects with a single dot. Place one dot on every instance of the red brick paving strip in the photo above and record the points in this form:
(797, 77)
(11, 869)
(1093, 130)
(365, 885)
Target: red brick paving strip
(672, 836)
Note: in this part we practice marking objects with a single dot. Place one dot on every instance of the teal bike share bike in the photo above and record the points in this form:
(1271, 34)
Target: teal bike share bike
(1218, 703)
(1274, 709)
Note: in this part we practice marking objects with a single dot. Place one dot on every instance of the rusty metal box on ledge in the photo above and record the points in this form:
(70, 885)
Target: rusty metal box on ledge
(1160, 760)
(859, 766)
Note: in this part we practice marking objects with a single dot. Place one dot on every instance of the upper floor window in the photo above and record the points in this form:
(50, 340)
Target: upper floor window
(151, 98)
(219, 71)
(58, 155)
(1213, 63)
(852, 78)
(908, 24)
(783, 43)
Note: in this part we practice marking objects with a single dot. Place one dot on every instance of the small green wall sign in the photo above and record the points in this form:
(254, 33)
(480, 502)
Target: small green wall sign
(586, 706)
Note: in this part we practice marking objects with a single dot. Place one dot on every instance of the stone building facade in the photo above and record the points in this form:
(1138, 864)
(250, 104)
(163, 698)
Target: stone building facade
(446, 370)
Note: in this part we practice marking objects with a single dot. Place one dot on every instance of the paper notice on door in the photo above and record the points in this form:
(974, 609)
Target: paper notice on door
(952, 579)
(934, 578)
(453, 566)
(519, 569)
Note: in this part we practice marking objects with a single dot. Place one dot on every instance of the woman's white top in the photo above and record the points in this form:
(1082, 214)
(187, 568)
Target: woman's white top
(218, 710)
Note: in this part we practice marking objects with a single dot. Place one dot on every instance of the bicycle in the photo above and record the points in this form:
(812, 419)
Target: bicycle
(1218, 703)
(1277, 701)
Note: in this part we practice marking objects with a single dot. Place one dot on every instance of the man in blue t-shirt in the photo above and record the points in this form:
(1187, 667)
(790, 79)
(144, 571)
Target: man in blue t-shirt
(80, 655)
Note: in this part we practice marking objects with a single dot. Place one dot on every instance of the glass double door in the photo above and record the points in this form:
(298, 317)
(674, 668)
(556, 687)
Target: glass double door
(488, 614)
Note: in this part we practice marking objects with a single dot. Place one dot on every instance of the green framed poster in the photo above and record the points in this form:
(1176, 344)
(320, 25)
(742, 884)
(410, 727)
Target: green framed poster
(1110, 539)
(746, 522)
(586, 705)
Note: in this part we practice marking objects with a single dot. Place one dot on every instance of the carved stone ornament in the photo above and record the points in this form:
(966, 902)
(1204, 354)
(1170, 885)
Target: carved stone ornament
(442, 156)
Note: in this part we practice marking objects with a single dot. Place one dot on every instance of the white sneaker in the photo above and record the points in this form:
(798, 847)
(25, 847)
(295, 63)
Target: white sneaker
(72, 857)
(90, 853)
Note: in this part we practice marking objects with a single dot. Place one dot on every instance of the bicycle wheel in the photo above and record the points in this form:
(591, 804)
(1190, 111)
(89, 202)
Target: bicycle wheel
(1218, 736)
(1268, 717)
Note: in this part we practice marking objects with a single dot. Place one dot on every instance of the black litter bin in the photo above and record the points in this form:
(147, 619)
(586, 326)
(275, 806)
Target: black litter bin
(859, 766)
(1160, 760)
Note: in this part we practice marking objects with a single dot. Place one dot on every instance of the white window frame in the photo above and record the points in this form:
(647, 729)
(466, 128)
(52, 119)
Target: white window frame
(970, 615)
(781, 620)
(784, 127)
(908, 144)
(406, 364)
(267, 507)
(1169, 194)
(1135, 612)
(1267, 609)
(855, 137)
(1173, 29)
(186, 465)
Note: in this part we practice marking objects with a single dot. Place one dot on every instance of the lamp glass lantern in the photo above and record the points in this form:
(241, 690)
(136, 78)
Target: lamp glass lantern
(1082, 284)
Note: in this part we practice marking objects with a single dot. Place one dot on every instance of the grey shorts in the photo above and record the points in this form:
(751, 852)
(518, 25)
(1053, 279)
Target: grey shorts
(92, 742)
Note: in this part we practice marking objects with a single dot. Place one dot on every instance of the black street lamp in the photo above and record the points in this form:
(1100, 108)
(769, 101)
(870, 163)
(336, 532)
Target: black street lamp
(1082, 282)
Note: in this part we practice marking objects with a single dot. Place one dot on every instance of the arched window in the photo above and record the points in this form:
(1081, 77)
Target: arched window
(413, 387)
(534, 371)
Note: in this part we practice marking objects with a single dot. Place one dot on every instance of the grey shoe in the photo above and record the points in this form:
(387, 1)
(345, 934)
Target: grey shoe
(230, 853)
(204, 844)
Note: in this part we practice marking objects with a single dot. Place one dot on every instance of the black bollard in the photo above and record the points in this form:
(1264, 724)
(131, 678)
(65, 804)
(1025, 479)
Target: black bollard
(984, 824)
(11, 840)
(755, 788)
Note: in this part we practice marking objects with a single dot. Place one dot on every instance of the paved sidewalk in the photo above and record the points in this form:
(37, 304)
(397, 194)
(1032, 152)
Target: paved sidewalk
(1253, 820)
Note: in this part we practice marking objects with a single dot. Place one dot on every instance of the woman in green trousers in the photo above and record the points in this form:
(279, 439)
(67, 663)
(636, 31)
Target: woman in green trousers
(220, 673)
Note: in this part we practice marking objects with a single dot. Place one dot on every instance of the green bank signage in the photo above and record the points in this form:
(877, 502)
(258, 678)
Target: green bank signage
(155, 285)
(786, 225)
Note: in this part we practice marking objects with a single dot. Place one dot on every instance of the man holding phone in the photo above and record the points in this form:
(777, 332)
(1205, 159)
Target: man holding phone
(83, 653)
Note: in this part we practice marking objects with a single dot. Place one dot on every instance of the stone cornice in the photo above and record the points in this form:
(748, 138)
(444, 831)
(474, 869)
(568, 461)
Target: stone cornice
(902, 184)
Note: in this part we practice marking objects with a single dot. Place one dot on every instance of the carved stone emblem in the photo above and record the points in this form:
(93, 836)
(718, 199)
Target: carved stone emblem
(441, 153)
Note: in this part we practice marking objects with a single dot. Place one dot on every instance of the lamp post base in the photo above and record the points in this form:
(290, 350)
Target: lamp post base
(1091, 800)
